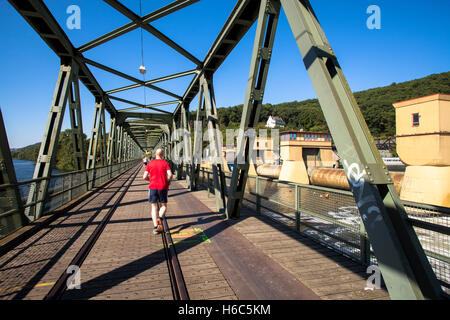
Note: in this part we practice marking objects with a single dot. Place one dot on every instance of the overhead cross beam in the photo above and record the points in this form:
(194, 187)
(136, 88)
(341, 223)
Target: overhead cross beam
(133, 79)
(150, 106)
(165, 78)
(242, 17)
(139, 104)
(38, 16)
(153, 16)
(139, 21)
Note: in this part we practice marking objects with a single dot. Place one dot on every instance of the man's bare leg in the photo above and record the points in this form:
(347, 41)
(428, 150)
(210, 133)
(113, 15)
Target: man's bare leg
(154, 210)
(162, 209)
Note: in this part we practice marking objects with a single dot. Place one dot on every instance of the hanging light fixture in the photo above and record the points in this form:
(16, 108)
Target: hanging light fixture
(142, 69)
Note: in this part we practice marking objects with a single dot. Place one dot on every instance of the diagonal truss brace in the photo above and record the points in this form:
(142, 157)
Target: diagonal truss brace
(47, 152)
(138, 20)
(215, 142)
(262, 49)
(187, 148)
(11, 209)
(401, 259)
(155, 15)
(77, 124)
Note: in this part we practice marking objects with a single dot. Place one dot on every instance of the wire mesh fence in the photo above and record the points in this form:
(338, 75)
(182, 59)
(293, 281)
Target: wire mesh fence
(331, 217)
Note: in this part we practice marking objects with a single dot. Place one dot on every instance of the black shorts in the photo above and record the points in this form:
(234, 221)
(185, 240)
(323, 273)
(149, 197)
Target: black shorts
(155, 196)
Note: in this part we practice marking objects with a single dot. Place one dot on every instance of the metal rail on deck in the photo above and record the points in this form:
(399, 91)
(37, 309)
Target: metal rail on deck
(60, 286)
(179, 289)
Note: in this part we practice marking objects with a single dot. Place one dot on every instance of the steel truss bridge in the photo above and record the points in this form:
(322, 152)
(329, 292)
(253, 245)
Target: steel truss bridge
(400, 256)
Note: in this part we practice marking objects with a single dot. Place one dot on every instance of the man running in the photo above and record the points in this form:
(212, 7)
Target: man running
(159, 175)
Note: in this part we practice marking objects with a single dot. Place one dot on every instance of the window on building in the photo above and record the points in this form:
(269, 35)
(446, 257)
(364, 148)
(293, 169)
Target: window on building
(415, 119)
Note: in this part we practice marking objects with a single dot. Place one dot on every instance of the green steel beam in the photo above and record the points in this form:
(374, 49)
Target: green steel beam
(402, 261)
(215, 142)
(47, 152)
(232, 32)
(198, 142)
(77, 124)
(153, 16)
(9, 197)
(187, 151)
(262, 50)
(95, 139)
(130, 78)
(37, 15)
(138, 20)
(112, 140)
(150, 106)
(160, 79)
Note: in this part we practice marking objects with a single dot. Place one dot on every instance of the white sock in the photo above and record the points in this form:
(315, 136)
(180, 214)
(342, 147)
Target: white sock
(162, 211)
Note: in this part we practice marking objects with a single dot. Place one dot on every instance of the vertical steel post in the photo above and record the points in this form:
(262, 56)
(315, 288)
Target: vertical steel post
(187, 153)
(77, 124)
(262, 51)
(401, 259)
(10, 200)
(215, 142)
(111, 152)
(94, 142)
(102, 138)
(47, 152)
(119, 144)
(198, 142)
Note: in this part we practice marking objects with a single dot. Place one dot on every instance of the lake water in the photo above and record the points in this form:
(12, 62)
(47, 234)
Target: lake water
(25, 169)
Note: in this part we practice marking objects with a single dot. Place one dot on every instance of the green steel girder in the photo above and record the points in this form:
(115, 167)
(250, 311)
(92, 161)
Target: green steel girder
(37, 15)
(241, 19)
(187, 151)
(160, 79)
(215, 142)
(11, 209)
(47, 152)
(130, 78)
(138, 20)
(402, 261)
(77, 124)
(262, 49)
(153, 16)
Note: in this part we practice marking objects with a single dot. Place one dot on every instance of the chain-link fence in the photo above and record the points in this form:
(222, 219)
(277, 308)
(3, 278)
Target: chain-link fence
(331, 217)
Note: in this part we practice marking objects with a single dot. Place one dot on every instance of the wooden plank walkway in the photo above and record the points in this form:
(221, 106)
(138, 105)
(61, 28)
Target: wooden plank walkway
(251, 258)
(325, 272)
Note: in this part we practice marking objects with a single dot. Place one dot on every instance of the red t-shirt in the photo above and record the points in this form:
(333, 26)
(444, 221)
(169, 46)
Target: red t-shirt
(157, 170)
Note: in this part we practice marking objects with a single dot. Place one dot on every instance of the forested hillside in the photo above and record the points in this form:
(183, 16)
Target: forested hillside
(65, 160)
(375, 104)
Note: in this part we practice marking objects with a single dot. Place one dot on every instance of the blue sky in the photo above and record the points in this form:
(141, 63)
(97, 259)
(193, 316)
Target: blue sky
(413, 42)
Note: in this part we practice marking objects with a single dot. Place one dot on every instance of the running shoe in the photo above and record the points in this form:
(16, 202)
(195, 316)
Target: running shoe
(159, 226)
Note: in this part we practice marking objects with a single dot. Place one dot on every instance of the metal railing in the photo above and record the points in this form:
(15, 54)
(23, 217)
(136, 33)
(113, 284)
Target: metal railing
(331, 217)
(63, 188)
